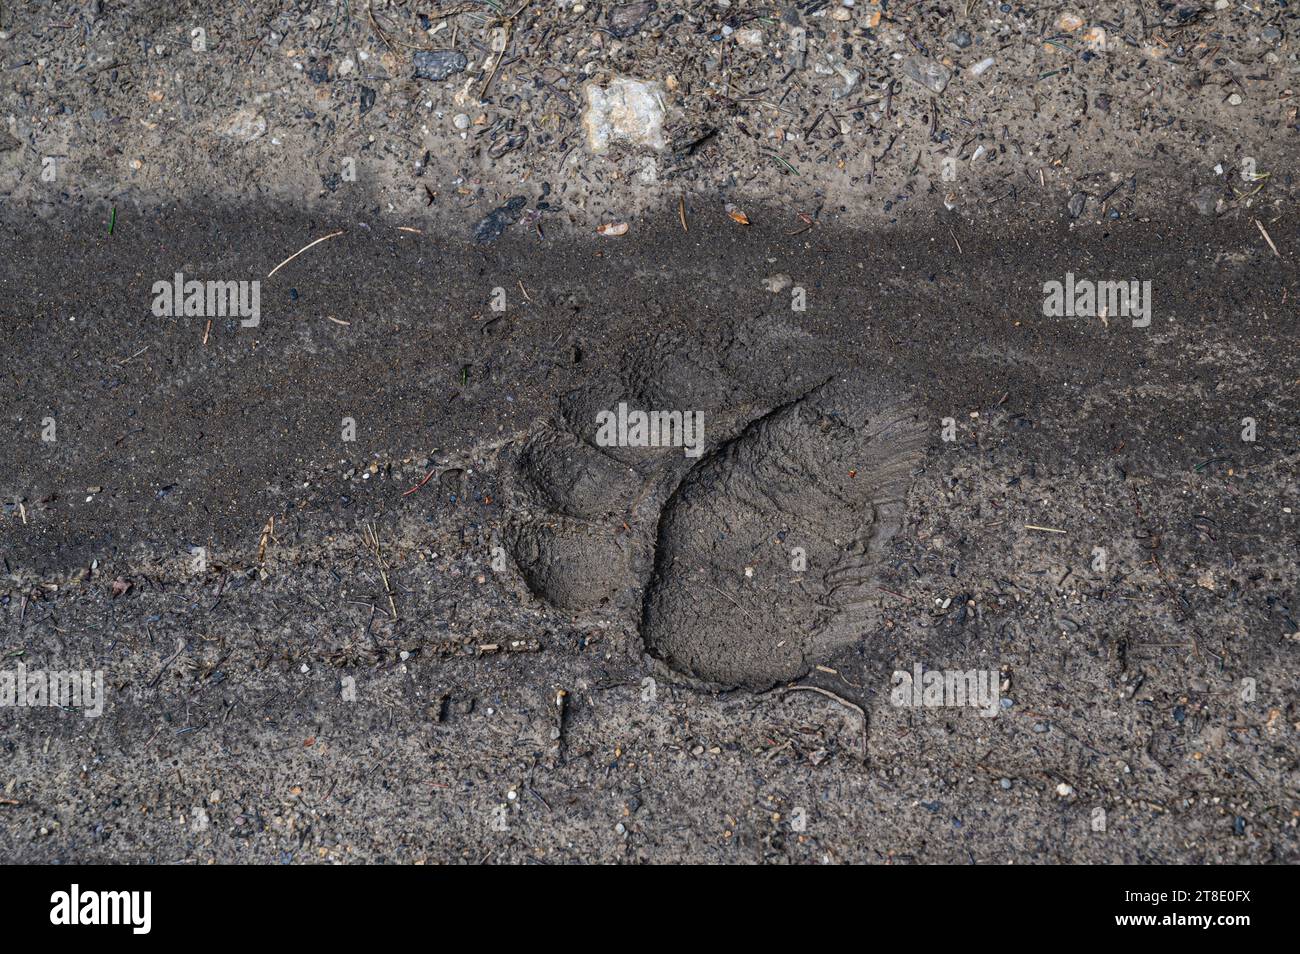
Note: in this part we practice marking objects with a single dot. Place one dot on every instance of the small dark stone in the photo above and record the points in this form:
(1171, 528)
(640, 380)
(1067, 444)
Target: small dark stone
(1102, 102)
(491, 226)
(437, 65)
(1078, 202)
(962, 39)
(626, 18)
(367, 99)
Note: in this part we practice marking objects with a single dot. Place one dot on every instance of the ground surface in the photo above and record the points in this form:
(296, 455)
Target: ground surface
(473, 632)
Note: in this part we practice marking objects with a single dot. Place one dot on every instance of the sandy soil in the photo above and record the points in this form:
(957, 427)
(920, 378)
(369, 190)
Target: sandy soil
(362, 580)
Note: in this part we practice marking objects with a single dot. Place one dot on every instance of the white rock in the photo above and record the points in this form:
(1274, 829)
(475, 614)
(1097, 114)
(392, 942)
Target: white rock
(244, 125)
(627, 110)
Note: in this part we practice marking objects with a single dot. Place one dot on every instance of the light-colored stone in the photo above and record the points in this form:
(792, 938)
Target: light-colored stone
(629, 111)
(931, 74)
(245, 126)
(1094, 38)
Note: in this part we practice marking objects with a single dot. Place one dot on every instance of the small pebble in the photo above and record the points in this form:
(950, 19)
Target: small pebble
(437, 65)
